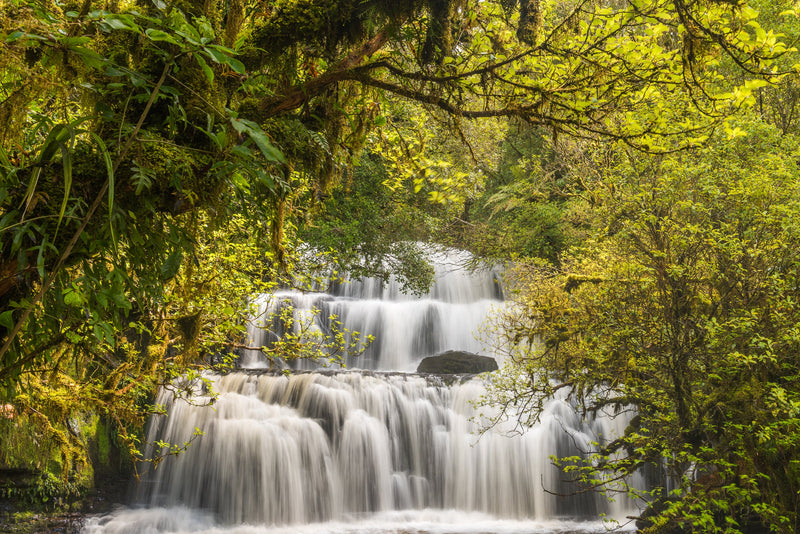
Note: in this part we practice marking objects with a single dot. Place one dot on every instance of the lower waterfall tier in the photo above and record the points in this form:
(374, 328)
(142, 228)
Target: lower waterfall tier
(307, 448)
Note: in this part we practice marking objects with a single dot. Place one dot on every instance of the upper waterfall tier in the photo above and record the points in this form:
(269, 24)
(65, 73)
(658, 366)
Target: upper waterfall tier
(405, 328)
(453, 282)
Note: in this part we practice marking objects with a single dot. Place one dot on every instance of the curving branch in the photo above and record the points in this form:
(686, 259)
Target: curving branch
(296, 96)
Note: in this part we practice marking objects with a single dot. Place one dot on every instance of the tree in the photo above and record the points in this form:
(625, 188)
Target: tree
(359, 223)
(531, 204)
(684, 308)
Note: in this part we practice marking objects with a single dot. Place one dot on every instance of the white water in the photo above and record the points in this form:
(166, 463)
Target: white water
(367, 452)
(406, 329)
(184, 520)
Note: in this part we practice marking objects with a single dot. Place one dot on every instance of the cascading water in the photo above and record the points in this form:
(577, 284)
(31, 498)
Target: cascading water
(365, 451)
(405, 328)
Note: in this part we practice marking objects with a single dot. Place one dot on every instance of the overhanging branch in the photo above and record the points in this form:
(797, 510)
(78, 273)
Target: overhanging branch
(298, 95)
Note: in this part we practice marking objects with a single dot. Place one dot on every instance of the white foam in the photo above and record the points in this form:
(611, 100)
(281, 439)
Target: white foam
(182, 520)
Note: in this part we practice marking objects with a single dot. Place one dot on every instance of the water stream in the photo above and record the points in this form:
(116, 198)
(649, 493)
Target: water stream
(378, 449)
(406, 328)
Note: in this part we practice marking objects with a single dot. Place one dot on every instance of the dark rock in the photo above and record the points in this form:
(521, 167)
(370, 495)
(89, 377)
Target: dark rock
(457, 362)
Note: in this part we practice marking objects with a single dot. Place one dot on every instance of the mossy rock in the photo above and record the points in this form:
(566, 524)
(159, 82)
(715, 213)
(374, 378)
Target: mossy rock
(457, 362)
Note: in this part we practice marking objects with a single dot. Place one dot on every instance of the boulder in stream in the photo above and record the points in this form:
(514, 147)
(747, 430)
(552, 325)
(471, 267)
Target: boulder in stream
(457, 362)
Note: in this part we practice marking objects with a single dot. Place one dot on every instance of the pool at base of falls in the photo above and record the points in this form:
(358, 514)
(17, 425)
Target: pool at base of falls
(180, 520)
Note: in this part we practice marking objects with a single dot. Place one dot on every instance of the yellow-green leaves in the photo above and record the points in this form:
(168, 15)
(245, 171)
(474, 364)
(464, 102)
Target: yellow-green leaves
(747, 14)
(224, 56)
(259, 137)
(415, 161)
(160, 36)
(683, 308)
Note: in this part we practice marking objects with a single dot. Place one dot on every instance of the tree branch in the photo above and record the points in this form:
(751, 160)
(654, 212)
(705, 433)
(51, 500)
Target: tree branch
(299, 95)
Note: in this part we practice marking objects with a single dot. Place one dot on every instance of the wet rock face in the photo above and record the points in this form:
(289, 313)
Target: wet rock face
(457, 362)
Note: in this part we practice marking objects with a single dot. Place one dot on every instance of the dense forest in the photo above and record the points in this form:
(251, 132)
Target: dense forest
(634, 163)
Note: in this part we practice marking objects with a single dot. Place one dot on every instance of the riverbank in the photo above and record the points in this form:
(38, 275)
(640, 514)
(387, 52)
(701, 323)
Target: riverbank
(43, 523)
(21, 518)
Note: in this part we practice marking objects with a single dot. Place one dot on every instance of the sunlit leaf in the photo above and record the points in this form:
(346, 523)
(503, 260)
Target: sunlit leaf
(160, 36)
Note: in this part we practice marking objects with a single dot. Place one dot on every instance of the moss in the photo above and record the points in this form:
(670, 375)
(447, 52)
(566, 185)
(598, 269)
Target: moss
(43, 478)
(43, 492)
(324, 25)
(24, 516)
(49, 461)
(38, 522)
(103, 443)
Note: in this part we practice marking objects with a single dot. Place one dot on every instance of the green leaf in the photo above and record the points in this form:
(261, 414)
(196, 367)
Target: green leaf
(755, 84)
(111, 185)
(73, 297)
(222, 138)
(15, 36)
(242, 151)
(121, 22)
(748, 13)
(7, 320)
(206, 69)
(66, 162)
(114, 72)
(137, 80)
(55, 138)
(40, 259)
(237, 65)
(205, 27)
(4, 161)
(218, 54)
(158, 35)
(267, 149)
(89, 57)
(215, 55)
(101, 299)
(169, 90)
(270, 152)
(172, 264)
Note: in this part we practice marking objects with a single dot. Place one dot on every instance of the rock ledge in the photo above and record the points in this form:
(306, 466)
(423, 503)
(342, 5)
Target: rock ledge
(457, 362)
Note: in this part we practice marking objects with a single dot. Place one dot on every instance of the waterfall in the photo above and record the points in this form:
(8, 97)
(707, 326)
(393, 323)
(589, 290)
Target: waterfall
(364, 450)
(405, 328)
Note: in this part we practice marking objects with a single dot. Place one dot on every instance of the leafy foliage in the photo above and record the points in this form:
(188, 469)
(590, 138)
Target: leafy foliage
(534, 203)
(683, 307)
(359, 222)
